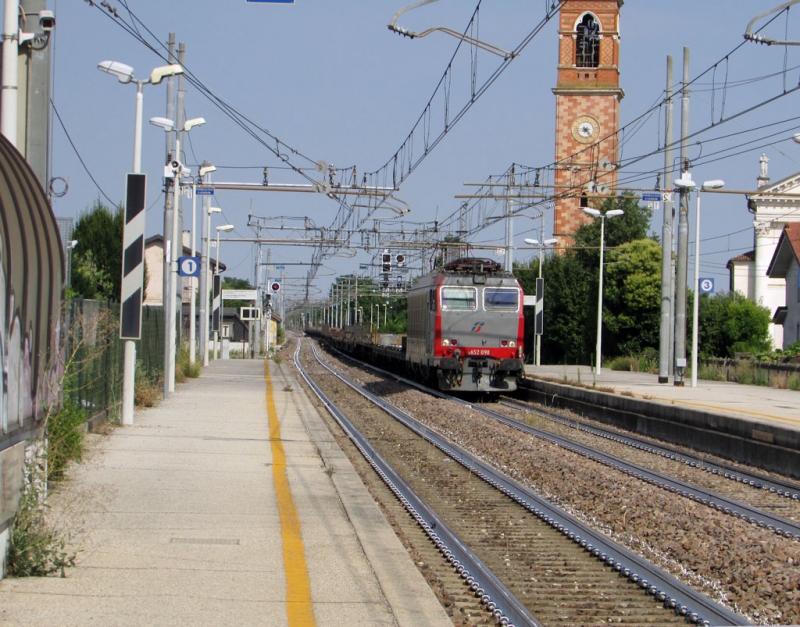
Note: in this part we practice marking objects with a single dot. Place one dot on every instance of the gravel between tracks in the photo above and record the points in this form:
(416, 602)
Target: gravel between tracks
(751, 570)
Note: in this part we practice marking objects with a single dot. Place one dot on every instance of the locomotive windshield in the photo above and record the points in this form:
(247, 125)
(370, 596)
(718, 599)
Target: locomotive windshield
(500, 299)
(459, 298)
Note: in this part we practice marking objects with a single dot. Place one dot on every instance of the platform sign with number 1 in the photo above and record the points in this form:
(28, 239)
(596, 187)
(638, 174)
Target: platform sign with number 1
(189, 266)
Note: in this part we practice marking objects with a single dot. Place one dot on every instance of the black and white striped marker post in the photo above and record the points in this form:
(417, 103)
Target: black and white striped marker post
(216, 311)
(130, 323)
(130, 319)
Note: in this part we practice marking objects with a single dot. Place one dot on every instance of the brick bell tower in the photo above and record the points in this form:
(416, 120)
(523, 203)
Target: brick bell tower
(587, 109)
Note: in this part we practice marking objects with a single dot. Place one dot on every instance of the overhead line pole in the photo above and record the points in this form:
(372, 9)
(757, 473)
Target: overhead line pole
(683, 231)
(166, 284)
(667, 293)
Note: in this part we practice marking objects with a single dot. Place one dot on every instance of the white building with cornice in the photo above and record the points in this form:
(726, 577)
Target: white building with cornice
(775, 206)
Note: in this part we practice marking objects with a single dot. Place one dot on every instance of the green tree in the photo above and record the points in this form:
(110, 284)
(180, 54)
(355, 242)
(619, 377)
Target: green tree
(731, 323)
(632, 225)
(566, 298)
(571, 283)
(97, 257)
(632, 298)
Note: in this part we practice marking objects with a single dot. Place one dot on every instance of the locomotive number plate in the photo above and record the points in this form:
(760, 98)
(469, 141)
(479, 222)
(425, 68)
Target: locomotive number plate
(478, 351)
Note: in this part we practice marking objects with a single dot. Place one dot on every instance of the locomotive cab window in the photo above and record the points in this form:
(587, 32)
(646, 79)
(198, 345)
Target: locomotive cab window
(459, 298)
(500, 299)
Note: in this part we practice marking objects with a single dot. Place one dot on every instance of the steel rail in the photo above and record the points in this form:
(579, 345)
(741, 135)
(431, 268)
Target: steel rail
(755, 480)
(491, 592)
(777, 524)
(674, 594)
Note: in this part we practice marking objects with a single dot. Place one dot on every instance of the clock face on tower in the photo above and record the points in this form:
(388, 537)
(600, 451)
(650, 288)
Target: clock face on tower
(585, 129)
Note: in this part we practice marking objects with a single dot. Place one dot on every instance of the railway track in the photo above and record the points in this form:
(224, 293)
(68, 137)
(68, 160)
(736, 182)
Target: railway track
(560, 569)
(777, 496)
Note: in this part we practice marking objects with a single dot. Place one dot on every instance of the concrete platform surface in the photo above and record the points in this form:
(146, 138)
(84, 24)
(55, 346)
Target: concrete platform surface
(228, 504)
(756, 404)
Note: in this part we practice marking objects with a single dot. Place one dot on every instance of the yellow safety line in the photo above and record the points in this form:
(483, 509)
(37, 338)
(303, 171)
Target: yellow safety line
(299, 610)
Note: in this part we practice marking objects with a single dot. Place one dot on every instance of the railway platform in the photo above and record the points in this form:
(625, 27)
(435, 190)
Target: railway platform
(753, 424)
(228, 504)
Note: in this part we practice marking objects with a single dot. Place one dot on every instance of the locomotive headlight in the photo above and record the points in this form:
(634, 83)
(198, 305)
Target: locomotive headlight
(448, 342)
(509, 343)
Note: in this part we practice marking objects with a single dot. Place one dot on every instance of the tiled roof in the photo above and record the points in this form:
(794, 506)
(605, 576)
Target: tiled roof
(792, 232)
(788, 248)
(748, 256)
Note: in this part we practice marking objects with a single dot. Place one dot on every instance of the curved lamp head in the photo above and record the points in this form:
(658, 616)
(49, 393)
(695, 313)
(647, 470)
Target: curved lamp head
(592, 212)
(124, 73)
(225, 228)
(165, 123)
(687, 183)
(160, 73)
(715, 184)
(213, 210)
(551, 242)
(205, 169)
(531, 241)
(614, 212)
(190, 124)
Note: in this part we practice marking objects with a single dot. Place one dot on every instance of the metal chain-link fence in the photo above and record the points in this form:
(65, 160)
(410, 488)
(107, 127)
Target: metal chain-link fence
(93, 354)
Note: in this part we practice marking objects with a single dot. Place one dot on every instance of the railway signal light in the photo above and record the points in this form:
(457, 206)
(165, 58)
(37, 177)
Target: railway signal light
(275, 286)
(400, 259)
(386, 261)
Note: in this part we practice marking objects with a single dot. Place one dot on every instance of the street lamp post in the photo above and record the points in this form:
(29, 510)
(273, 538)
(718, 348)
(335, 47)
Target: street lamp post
(125, 74)
(174, 247)
(537, 338)
(226, 228)
(688, 185)
(597, 214)
(204, 282)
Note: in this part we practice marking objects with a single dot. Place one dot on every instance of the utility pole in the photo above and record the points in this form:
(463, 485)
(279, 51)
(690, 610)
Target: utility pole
(683, 231)
(510, 224)
(667, 294)
(175, 294)
(34, 84)
(168, 219)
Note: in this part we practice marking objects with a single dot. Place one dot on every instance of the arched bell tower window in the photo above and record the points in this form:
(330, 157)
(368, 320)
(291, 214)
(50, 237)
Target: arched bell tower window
(587, 50)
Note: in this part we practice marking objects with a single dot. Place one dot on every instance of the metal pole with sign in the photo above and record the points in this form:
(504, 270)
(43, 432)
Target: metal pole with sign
(130, 322)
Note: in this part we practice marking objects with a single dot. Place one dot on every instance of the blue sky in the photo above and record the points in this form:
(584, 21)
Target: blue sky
(331, 81)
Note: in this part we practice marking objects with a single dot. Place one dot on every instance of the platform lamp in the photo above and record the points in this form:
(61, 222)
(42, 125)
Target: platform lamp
(173, 241)
(688, 184)
(204, 306)
(225, 228)
(125, 74)
(598, 214)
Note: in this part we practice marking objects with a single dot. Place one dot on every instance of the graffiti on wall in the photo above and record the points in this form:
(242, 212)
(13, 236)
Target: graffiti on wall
(31, 287)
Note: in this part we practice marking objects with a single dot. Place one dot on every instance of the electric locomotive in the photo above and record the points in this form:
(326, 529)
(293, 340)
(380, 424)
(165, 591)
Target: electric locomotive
(465, 327)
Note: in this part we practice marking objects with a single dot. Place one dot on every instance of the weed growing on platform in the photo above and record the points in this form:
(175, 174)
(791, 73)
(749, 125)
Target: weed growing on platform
(288, 388)
(64, 438)
(277, 359)
(147, 391)
(35, 548)
(184, 369)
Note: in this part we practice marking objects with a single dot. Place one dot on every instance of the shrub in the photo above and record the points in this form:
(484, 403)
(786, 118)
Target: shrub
(65, 431)
(146, 390)
(35, 549)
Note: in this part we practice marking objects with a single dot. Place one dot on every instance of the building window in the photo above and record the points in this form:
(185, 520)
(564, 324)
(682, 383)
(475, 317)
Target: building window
(587, 50)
